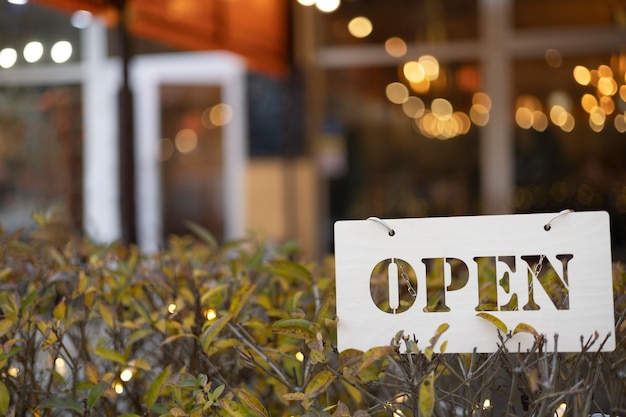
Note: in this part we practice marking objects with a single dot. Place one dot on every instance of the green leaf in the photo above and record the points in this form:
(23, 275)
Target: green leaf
(61, 403)
(213, 330)
(372, 355)
(5, 399)
(494, 320)
(251, 402)
(291, 270)
(240, 299)
(110, 355)
(427, 395)
(176, 337)
(202, 233)
(319, 383)
(234, 409)
(155, 387)
(298, 328)
(95, 393)
(5, 326)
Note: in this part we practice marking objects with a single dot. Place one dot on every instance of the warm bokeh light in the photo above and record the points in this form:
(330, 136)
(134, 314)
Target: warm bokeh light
(540, 121)
(607, 86)
(8, 57)
(588, 102)
(620, 123)
(171, 308)
(582, 75)
(605, 71)
(479, 115)
(126, 375)
(430, 65)
(421, 87)
(61, 366)
(524, 117)
(486, 404)
(186, 140)
(218, 115)
(483, 99)
(560, 411)
(395, 47)
(13, 372)
(413, 71)
(413, 107)
(33, 51)
(306, 2)
(327, 6)
(441, 109)
(607, 104)
(61, 52)
(597, 116)
(360, 27)
(463, 122)
(553, 58)
(560, 98)
(210, 314)
(299, 357)
(558, 115)
(118, 388)
(396, 92)
(622, 92)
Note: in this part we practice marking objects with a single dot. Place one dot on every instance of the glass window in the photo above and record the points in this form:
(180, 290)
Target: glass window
(391, 150)
(40, 154)
(191, 155)
(429, 20)
(568, 13)
(570, 147)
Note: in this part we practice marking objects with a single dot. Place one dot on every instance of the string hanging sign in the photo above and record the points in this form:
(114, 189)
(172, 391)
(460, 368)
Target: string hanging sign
(543, 274)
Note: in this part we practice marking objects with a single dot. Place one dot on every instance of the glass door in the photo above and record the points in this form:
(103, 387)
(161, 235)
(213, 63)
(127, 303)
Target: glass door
(190, 145)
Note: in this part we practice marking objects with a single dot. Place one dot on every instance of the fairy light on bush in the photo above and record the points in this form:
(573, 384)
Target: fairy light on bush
(299, 356)
(171, 308)
(211, 314)
(126, 375)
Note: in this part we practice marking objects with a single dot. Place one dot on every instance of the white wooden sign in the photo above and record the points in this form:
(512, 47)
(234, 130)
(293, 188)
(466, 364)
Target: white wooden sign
(549, 271)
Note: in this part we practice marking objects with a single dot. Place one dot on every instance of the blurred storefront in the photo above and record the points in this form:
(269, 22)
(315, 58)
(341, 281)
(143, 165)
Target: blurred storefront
(395, 108)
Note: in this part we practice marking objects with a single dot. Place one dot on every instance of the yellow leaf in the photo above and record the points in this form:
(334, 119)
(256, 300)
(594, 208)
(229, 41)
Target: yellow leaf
(178, 412)
(233, 408)
(427, 395)
(525, 328)
(294, 396)
(107, 315)
(92, 373)
(5, 326)
(60, 311)
(372, 355)
(319, 383)
(252, 402)
(494, 320)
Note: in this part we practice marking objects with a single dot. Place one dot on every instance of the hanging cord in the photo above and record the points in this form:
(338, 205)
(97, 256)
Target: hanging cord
(383, 224)
(548, 225)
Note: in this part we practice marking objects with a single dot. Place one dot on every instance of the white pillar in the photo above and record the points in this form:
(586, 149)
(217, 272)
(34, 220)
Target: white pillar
(497, 155)
(101, 217)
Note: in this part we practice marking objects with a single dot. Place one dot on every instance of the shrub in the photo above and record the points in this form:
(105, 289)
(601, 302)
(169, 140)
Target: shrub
(243, 330)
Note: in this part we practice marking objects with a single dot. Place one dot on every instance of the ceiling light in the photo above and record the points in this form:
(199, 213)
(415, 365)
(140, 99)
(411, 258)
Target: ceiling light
(33, 51)
(8, 57)
(61, 52)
